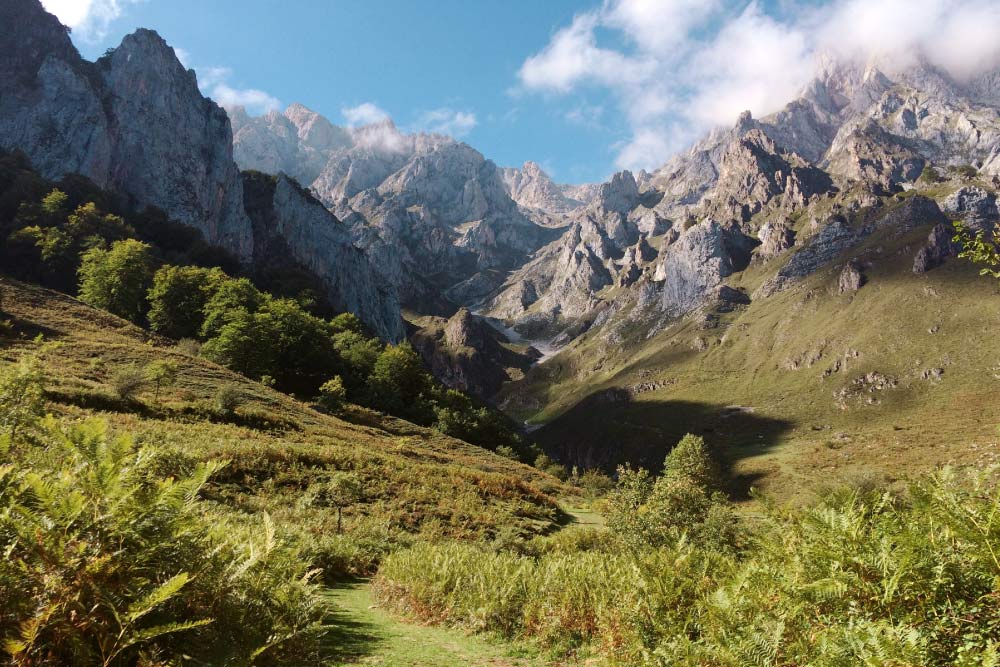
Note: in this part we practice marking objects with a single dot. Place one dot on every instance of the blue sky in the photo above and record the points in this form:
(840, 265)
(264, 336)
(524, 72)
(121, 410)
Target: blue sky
(583, 88)
(407, 58)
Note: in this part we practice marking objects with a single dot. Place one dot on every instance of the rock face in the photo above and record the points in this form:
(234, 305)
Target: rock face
(696, 264)
(775, 238)
(976, 207)
(171, 146)
(133, 122)
(469, 354)
(939, 246)
(600, 246)
(533, 190)
(807, 184)
(288, 222)
(432, 212)
(851, 278)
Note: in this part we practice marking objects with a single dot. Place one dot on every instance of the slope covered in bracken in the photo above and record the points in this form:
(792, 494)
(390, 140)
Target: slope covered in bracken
(414, 480)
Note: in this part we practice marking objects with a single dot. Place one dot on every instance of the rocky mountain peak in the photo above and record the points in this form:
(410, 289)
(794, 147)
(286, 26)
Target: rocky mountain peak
(31, 36)
(620, 194)
(136, 123)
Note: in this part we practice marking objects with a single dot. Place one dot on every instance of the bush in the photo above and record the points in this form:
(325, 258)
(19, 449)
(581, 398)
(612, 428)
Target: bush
(189, 347)
(105, 563)
(22, 390)
(332, 394)
(228, 399)
(161, 373)
(859, 578)
(127, 382)
(547, 465)
(929, 175)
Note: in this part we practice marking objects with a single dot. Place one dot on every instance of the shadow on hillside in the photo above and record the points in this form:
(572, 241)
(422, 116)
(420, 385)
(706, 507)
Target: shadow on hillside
(25, 331)
(193, 413)
(609, 428)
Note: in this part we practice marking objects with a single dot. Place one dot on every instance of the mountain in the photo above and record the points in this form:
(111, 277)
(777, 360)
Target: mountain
(853, 136)
(432, 212)
(785, 287)
(135, 123)
(537, 193)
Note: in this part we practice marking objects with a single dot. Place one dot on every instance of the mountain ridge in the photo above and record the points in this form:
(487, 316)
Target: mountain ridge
(136, 123)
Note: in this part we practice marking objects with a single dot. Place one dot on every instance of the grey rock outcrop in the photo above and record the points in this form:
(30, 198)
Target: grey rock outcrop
(976, 207)
(134, 122)
(939, 246)
(852, 277)
(171, 147)
(696, 264)
(50, 107)
(775, 238)
(432, 212)
(839, 234)
(289, 223)
(601, 247)
(532, 189)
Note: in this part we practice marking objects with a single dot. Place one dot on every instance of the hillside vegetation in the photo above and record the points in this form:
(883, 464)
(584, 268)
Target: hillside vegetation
(280, 451)
(797, 389)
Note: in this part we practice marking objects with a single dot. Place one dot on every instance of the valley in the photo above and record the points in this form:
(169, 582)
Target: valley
(282, 390)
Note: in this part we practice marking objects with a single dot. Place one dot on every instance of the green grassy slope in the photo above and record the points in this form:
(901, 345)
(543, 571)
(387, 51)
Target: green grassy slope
(416, 480)
(763, 386)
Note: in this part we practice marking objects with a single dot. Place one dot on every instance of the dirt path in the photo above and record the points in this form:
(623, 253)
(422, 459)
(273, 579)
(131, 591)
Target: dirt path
(366, 635)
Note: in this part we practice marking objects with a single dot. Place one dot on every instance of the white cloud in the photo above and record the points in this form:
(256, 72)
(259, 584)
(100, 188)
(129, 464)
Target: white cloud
(447, 121)
(573, 57)
(365, 113)
(183, 56)
(214, 82)
(676, 68)
(89, 19)
(255, 101)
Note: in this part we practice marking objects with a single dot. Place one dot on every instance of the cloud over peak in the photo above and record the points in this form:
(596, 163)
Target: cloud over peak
(676, 68)
(365, 113)
(214, 82)
(89, 19)
(447, 121)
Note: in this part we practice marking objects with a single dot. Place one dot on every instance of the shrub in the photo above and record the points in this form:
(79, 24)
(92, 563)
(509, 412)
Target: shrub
(161, 373)
(332, 394)
(507, 452)
(228, 399)
(188, 346)
(859, 578)
(127, 382)
(929, 175)
(595, 483)
(965, 170)
(105, 563)
(22, 388)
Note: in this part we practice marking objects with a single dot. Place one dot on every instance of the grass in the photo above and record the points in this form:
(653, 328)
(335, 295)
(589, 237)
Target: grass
(761, 394)
(366, 634)
(416, 480)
